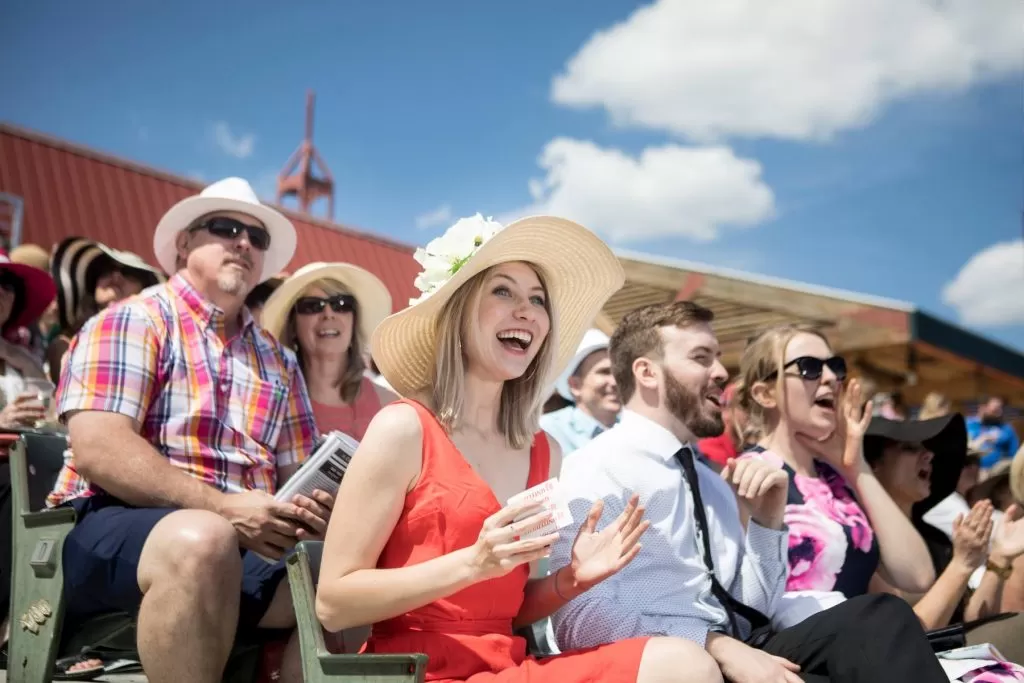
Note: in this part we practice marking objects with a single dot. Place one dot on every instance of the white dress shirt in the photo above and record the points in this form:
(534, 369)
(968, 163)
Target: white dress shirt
(665, 590)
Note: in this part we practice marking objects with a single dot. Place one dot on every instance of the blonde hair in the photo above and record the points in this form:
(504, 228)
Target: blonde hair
(764, 356)
(934, 405)
(351, 381)
(521, 398)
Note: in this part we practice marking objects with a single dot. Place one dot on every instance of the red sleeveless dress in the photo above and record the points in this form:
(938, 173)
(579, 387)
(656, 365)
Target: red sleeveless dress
(468, 635)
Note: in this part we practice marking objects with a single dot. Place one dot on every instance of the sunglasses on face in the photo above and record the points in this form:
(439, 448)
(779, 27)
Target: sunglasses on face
(811, 368)
(339, 303)
(231, 229)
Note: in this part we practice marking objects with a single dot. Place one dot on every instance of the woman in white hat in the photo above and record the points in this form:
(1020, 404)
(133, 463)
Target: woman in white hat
(90, 276)
(326, 313)
(422, 542)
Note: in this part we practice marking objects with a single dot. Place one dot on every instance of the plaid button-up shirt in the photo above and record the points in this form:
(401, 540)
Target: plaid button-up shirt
(229, 414)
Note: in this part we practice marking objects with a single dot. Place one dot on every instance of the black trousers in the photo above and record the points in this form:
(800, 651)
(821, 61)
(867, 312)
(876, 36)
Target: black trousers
(867, 639)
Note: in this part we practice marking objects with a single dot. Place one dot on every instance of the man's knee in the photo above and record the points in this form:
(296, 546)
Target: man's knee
(679, 661)
(191, 546)
(880, 611)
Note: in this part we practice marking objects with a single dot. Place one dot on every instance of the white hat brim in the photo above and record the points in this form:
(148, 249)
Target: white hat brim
(373, 300)
(188, 210)
(580, 272)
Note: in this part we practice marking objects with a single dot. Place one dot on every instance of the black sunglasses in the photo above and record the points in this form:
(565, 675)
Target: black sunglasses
(339, 303)
(231, 229)
(810, 368)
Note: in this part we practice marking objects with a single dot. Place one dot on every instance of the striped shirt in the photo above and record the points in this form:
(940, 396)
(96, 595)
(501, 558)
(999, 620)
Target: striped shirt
(228, 413)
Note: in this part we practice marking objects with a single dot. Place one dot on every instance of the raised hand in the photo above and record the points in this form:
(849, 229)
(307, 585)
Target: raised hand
(971, 534)
(762, 489)
(499, 549)
(1008, 542)
(596, 555)
(844, 447)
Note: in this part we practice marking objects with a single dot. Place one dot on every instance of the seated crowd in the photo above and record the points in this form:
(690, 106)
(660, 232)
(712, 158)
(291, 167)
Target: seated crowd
(772, 530)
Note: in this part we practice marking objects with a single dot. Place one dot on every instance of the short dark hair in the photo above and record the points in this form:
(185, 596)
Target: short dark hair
(639, 334)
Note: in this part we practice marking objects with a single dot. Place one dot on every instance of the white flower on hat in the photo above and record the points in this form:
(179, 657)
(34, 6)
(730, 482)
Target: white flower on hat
(444, 255)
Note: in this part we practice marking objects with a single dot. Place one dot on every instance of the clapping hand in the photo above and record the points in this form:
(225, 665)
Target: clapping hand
(971, 534)
(596, 555)
(1008, 541)
(499, 548)
(762, 489)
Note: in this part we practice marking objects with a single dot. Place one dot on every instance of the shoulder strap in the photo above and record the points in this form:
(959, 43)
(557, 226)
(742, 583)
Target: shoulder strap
(540, 460)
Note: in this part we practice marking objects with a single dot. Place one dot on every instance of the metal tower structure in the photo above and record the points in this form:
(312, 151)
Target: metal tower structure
(299, 179)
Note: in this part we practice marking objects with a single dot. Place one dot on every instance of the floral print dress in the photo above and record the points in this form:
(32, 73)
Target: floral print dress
(831, 544)
(833, 548)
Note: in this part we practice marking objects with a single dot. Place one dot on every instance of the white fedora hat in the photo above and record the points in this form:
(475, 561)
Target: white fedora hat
(373, 300)
(229, 194)
(593, 340)
(580, 272)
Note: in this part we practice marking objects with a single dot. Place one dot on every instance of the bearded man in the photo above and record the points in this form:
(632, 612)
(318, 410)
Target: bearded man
(700, 575)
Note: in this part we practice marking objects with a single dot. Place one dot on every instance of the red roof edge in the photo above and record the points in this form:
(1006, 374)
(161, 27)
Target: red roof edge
(114, 160)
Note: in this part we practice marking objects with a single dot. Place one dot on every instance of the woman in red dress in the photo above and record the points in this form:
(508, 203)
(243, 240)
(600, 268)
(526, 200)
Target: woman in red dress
(422, 543)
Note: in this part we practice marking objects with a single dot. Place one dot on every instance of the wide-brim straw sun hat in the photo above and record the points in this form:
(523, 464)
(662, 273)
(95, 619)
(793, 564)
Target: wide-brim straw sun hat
(230, 194)
(75, 266)
(579, 270)
(373, 300)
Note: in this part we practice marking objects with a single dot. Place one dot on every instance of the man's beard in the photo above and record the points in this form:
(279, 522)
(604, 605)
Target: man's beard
(687, 407)
(230, 282)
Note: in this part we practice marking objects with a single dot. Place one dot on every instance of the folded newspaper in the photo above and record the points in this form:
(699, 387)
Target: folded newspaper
(323, 470)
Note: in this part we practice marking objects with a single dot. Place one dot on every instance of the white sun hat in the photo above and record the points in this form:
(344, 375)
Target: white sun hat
(593, 340)
(580, 272)
(229, 194)
(373, 300)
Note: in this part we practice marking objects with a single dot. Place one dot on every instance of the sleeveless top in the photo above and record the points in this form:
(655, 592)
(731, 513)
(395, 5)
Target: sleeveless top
(832, 546)
(352, 419)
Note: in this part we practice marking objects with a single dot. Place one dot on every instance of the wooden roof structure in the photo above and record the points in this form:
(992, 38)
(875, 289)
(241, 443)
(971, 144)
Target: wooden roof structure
(897, 345)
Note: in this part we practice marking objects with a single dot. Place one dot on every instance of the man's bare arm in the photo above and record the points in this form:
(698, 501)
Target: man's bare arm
(109, 452)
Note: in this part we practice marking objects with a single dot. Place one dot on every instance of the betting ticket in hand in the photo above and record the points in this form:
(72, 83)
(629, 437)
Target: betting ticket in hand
(548, 494)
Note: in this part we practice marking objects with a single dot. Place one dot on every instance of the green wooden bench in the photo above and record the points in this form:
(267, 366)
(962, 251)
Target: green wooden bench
(37, 593)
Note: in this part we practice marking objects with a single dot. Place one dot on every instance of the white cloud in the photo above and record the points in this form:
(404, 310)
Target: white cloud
(442, 215)
(989, 289)
(667, 191)
(786, 68)
(238, 146)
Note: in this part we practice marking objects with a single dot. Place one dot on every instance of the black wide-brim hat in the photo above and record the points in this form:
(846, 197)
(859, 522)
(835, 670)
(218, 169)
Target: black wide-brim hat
(77, 262)
(945, 437)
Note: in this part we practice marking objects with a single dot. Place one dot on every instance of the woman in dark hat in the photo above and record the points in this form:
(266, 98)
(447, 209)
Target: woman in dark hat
(90, 276)
(25, 292)
(919, 463)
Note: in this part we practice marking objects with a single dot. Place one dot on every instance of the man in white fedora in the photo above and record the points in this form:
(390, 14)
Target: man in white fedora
(185, 417)
(588, 383)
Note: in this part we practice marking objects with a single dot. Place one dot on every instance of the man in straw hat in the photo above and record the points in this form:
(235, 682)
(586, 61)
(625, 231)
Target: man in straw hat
(701, 575)
(184, 418)
(588, 384)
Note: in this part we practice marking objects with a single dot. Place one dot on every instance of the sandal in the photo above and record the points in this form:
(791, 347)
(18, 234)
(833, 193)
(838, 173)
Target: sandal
(62, 672)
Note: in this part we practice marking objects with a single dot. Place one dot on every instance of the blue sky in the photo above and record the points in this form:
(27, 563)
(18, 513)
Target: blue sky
(876, 158)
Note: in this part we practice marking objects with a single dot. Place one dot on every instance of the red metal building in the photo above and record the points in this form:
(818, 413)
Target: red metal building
(67, 189)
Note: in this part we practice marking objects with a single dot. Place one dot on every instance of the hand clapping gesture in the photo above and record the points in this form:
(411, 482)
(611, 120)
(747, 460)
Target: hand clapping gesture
(499, 548)
(1008, 540)
(596, 555)
(761, 488)
(971, 533)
